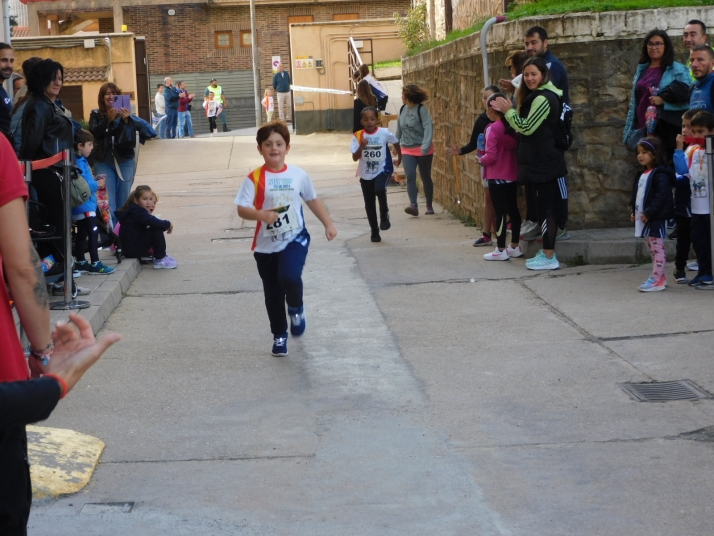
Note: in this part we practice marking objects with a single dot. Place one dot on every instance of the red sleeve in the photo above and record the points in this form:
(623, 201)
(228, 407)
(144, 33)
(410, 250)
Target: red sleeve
(12, 183)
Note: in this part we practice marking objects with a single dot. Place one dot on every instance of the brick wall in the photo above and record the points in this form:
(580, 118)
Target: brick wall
(600, 52)
(106, 25)
(185, 42)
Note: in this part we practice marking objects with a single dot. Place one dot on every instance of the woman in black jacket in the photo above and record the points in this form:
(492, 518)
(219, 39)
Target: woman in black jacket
(114, 160)
(652, 205)
(541, 162)
(46, 130)
(364, 98)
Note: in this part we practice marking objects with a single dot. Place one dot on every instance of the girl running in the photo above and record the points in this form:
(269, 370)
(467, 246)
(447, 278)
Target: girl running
(272, 195)
(369, 147)
(540, 161)
(142, 232)
(652, 205)
(478, 143)
(213, 110)
(500, 162)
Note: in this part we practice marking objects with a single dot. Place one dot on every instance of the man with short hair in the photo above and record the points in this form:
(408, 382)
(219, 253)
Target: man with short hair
(281, 84)
(701, 96)
(220, 97)
(160, 105)
(7, 65)
(694, 35)
(171, 98)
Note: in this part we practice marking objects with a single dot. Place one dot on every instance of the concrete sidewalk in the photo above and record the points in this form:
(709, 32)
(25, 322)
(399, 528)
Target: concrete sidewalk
(433, 392)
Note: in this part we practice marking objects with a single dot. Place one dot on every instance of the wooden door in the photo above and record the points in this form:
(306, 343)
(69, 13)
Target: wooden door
(71, 97)
(143, 92)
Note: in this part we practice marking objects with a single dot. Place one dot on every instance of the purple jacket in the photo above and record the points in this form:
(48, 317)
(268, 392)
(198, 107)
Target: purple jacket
(501, 158)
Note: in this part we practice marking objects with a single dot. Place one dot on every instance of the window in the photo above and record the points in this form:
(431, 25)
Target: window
(223, 39)
(294, 19)
(246, 38)
(345, 16)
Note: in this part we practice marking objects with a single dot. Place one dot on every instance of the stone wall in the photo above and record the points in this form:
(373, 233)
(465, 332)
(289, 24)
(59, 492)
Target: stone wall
(600, 52)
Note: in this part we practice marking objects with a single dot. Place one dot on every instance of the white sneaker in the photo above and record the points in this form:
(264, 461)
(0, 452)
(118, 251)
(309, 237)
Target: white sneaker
(497, 255)
(514, 252)
(693, 266)
(527, 226)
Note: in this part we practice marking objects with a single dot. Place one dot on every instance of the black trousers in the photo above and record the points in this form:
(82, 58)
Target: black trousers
(139, 247)
(684, 241)
(212, 124)
(372, 190)
(548, 202)
(15, 485)
(563, 204)
(281, 273)
(531, 202)
(87, 239)
(701, 238)
(49, 192)
(505, 203)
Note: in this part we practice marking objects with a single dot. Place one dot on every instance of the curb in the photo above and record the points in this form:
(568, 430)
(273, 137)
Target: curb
(632, 251)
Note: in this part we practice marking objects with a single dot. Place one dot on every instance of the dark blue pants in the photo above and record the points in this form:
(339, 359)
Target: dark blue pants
(282, 280)
(372, 190)
(137, 246)
(701, 238)
(171, 120)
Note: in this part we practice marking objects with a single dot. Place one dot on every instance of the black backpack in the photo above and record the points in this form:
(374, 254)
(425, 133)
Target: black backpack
(563, 133)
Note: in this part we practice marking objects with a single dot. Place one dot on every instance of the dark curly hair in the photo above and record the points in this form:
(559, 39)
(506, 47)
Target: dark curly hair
(42, 75)
(414, 94)
(667, 57)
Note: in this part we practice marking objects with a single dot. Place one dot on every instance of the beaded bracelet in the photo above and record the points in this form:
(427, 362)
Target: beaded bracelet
(60, 380)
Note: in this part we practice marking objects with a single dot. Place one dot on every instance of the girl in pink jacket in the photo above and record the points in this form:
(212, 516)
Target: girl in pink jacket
(500, 163)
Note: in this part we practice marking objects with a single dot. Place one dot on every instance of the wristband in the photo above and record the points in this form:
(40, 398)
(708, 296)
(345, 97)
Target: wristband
(45, 354)
(60, 380)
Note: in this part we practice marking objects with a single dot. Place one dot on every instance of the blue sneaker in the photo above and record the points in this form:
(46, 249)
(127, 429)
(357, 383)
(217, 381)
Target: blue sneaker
(297, 320)
(652, 286)
(541, 262)
(280, 345)
(538, 256)
(98, 268)
(701, 280)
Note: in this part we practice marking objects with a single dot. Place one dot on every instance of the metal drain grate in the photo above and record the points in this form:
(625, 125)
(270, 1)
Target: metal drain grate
(665, 391)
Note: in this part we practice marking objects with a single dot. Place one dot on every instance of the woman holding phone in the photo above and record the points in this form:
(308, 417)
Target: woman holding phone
(114, 160)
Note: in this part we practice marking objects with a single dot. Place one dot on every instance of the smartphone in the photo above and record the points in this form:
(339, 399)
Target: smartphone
(121, 101)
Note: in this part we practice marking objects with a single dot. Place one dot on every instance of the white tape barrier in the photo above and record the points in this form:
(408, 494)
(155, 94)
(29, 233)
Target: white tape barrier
(320, 90)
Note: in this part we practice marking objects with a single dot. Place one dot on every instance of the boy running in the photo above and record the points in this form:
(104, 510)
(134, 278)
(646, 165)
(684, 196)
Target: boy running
(273, 195)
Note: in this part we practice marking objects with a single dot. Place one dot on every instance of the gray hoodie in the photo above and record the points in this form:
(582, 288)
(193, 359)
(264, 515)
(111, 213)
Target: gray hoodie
(411, 131)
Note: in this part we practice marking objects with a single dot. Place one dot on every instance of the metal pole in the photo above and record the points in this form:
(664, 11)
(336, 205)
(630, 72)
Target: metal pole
(710, 178)
(68, 303)
(484, 46)
(256, 70)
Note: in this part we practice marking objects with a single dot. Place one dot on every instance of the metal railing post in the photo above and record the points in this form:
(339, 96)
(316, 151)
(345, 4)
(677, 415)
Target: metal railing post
(710, 179)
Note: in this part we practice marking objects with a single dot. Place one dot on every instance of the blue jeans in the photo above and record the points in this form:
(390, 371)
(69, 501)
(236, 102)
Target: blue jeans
(117, 190)
(171, 119)
(282, 280)
(184, 119)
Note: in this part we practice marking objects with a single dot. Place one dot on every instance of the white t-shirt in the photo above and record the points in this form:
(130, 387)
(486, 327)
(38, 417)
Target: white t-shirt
(698, 180)
(639, 200)
(286, 190)
(213, 108)
(160, 103)
(376, 157)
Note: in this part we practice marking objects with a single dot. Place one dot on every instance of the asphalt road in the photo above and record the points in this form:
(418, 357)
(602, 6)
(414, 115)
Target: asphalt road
(433, 392)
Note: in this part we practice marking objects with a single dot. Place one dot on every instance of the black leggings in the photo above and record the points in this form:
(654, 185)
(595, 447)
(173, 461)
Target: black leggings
(531, 202)
(153, 238)
(212, 124)
(505, 202)
(375, 188)
(684, 241)
(548, 201)
(87, 230)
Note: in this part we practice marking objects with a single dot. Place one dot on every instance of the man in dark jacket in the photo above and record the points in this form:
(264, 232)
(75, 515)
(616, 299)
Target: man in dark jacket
(171, 96)
(281, 84)
(7, 63)
(701, 96)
